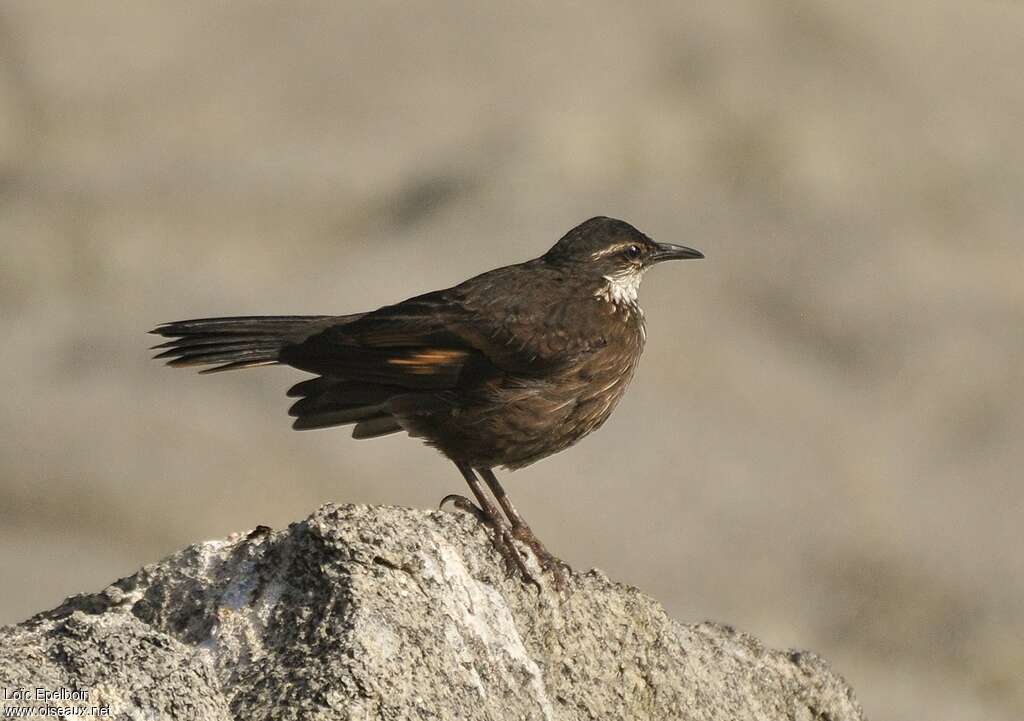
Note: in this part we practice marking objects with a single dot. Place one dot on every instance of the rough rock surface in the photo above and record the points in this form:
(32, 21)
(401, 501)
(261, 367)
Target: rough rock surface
(393, 613)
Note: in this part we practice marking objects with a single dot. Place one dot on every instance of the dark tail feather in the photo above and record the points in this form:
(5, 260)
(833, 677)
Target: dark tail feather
(231, 343)
(376, 427)
(344, 417)
(327, 402)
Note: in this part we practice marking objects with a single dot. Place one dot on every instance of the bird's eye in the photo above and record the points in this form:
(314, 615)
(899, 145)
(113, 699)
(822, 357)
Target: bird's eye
(633, 252)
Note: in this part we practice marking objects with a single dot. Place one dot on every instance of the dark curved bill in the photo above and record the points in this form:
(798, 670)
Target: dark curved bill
(667, 251)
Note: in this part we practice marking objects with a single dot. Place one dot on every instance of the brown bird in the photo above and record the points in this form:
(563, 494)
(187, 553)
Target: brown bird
(503, 369)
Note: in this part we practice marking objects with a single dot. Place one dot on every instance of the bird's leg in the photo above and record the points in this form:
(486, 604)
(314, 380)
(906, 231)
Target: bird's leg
(502, 533)
(520, 529)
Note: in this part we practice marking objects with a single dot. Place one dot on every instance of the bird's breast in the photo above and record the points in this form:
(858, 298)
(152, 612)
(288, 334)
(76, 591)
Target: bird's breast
(515, 418)
(603, 376)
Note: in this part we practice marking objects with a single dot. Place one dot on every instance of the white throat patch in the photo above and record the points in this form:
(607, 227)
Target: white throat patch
(622, 288)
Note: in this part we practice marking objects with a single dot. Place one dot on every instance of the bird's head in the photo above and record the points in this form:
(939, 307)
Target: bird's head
(614, 254)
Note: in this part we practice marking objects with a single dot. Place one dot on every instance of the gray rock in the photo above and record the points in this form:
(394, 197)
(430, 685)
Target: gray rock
(393, 613)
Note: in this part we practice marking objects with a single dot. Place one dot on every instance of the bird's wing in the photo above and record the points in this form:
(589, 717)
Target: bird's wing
(428, 342)
(409, 346)
(385, 368)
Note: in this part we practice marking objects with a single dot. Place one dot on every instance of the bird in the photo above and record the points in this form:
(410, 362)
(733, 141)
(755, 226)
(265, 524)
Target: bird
(499, 371)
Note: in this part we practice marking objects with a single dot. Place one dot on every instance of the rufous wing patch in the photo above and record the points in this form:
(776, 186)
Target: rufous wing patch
(429, 361)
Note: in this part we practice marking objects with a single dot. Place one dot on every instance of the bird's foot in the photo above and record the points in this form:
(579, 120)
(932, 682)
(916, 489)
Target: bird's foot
(504, 541)
(502, 536)
(548, 562)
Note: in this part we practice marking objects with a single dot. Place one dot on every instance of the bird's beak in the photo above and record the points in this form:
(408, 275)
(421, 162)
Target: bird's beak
(667, 251)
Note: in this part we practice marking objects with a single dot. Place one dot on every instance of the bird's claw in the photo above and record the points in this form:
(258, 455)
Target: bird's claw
(506, 545)
(463, 504)
(548, 562)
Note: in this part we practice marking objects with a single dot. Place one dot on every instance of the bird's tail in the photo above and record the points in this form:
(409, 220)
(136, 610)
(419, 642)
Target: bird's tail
(239, 342)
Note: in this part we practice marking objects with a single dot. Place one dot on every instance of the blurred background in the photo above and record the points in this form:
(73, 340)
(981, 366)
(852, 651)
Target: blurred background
(823, 443)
